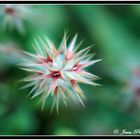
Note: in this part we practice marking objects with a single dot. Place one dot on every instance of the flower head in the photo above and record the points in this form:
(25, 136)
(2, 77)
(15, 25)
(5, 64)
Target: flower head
(57, 72)
(13, 16)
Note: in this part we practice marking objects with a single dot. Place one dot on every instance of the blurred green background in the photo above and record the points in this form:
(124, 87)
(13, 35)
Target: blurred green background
(115, 31)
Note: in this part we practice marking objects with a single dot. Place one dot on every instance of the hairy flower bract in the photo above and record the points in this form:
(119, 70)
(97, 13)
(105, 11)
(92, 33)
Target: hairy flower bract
(13, 16)
(58, 72)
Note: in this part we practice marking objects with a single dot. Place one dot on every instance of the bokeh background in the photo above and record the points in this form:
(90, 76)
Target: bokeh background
(115, 31)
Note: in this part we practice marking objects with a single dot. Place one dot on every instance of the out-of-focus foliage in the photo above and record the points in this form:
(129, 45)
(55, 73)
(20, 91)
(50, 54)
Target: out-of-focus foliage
(115, 31)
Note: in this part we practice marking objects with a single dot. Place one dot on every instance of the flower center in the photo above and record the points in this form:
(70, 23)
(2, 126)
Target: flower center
(9, 10)
(75, 68)
(55, 74)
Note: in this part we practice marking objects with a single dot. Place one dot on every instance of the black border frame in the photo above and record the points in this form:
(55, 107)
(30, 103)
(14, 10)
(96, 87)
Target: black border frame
(109, 2)
(123, 2)
(69, 137)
